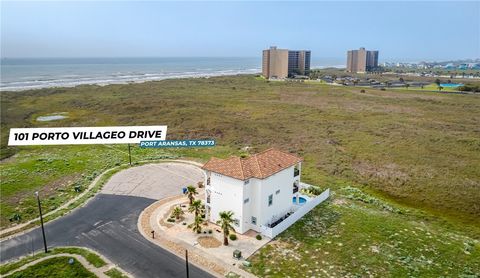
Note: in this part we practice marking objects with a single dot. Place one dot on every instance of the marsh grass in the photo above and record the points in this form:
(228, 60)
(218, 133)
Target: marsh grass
(418, 148)
(415, 151)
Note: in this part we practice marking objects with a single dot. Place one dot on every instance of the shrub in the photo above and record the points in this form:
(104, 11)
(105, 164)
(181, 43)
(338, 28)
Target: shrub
(469, 88)
(311, 191)
(362, 91)
(210, 231)
(171, 220)
(15, 217)
(233, 237)
(259, 237)
(356, 194)
(382, 89)
(184, 223)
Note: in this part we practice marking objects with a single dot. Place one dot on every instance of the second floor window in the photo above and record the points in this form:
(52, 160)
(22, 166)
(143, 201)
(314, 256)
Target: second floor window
(296, 171)
(270, 200)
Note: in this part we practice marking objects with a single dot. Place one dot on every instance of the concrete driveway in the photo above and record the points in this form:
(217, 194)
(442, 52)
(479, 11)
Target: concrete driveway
(108, 223)
(154, 181)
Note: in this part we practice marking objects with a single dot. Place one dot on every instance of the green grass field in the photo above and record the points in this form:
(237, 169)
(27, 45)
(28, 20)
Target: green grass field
(431, 87)
(92, 258)
(344, 238)
(54, 268)
(419, 151)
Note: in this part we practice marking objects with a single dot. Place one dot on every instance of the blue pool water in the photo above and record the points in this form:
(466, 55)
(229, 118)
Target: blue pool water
(301, 200)
(451, 85)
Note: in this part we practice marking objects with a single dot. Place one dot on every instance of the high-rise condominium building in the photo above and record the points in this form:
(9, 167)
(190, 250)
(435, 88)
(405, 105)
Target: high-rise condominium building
(362, 60)
(281, 63)
(275, 63)
(298, 62)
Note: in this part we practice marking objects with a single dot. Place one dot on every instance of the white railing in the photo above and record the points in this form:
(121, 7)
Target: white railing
(299, 213)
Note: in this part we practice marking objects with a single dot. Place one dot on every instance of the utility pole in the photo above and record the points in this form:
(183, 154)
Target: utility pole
(186, 262)
(41, 221)
(129, 155)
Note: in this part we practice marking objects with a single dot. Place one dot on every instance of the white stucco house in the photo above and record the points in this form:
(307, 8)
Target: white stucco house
(258, 189)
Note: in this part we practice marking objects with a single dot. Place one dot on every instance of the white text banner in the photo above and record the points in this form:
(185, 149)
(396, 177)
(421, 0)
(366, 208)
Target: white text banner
(85, 135)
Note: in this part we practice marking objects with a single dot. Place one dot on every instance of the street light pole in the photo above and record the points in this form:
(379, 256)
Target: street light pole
(186, 262)
(129, 155)
(41, 221)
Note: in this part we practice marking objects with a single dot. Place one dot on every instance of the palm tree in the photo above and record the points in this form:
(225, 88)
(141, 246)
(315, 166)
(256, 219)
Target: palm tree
(196, 207)
(196, 226)
(407, 85)
(440, 88)
(177, 212)
(191, 192)
(226, 220)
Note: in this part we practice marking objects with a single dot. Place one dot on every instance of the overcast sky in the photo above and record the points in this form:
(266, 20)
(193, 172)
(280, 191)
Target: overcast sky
(399, 30)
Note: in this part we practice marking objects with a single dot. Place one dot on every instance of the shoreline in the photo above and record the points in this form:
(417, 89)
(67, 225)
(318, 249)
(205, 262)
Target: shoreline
(134, 80)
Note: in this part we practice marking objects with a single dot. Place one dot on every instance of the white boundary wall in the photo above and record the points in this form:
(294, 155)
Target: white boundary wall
(299, 213)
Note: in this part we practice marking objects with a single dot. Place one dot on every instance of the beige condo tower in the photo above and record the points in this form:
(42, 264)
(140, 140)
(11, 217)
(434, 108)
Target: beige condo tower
(362, 60)
(275, 63)
(283, 63)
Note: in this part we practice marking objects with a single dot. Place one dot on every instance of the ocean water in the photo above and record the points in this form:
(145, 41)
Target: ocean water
(35, 73)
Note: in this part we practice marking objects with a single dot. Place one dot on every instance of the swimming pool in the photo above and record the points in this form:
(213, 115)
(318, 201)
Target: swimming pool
(301, 200)
(451, 85)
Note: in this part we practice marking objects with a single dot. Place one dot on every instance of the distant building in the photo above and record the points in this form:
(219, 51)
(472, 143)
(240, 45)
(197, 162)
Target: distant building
(298, 62)
(362, 60)
(275, 63)
(281, 63)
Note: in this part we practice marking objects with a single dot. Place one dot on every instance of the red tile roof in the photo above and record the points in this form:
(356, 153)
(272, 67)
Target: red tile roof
(261, 165)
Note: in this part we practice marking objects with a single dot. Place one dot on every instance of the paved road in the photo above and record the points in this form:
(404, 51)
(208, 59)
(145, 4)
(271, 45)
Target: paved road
(107, 224)
(155, 181)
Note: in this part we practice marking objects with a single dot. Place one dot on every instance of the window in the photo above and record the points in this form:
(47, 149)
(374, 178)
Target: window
(254, 220)
(246, 200)
(246, 182)
(277, 192)
(270, 199)
(236, 222)
(296, 171)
